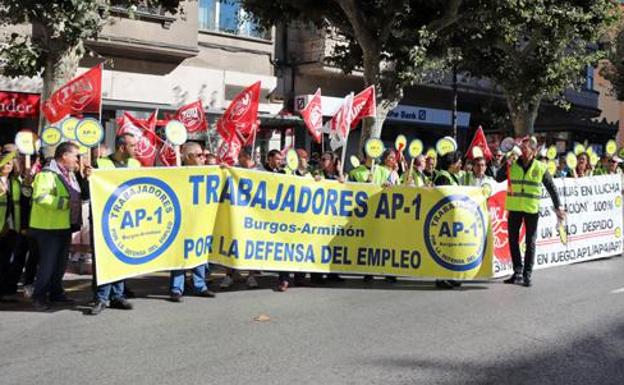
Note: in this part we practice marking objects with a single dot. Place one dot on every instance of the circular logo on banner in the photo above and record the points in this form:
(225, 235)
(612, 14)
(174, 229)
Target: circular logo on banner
(355, 162)
(618, 232)
(51, 136)
(551, 153)
(292, 160)
(415, 148)
(571, 160)
(26, 142)
(374, 148)
(551, 166)
(141, 220)
(487, 189)
(68, 128)
(175, 132)
(611, 147)
(446, 145)
(400, 143)
(456, 233)
(89, 132)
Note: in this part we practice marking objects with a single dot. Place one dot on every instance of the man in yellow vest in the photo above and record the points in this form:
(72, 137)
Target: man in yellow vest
(478, 177)
(55, 213)
(10, 217)
(527, 177)
(112, 294)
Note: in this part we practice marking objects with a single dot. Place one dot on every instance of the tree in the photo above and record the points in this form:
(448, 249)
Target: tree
(386, 39)
(59, 30)
(534, 50)
(613, 67)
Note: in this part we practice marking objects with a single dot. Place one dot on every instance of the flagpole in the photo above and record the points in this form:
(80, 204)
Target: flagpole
(344, 152)
(97, 149)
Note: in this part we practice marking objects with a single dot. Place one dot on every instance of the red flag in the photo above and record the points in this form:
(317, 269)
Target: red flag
(364, 105)
(193, 117)
(143, 130)
(239, 120)
(312, 115)
(338, 126)
(228, 151)
(479, 140)
(82, 94)
(167, 155)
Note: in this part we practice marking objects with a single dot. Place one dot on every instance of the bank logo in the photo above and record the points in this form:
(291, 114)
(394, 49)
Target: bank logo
(456, 233)
(141, 219)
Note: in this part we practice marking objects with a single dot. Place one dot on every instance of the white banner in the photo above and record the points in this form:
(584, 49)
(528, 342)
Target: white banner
(594, 223)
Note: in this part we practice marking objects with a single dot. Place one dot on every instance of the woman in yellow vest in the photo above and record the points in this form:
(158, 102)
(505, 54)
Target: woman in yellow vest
(527, 177)
(10, 216)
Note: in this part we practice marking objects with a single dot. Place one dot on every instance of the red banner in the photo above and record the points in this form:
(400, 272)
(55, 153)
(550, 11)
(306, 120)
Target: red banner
(143, 130)
(312, 115)
(82, 94)
(19, 105)
(480, 141)
(340, 123)
(167, 155)
(193, 117)
(228, 151)
(239, 120)
(364, 106)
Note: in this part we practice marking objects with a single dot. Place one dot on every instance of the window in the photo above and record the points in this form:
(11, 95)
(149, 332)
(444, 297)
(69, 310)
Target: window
(228, 17)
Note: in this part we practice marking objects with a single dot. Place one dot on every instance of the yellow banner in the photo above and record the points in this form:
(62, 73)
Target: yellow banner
(154, 219)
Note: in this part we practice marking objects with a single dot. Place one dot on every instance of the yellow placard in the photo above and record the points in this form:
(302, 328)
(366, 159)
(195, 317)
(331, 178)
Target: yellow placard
(415, 148)
(551, 166)
(571, 160)
(355, 162)
(68, 128)
(611, 147)
(374, 148)
(292, 159)
(579, 149)
(446, 145)
(89, 132)
(400, 143)
(593, 159)
(431, 153)
(156, 219)
(51, 136)
(551, 153)
(26, 142)
(176, 134)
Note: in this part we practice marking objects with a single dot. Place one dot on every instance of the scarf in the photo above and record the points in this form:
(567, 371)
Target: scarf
(72, 186)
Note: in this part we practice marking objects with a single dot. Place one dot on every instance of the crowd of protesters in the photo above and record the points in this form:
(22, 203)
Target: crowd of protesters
(40, 208)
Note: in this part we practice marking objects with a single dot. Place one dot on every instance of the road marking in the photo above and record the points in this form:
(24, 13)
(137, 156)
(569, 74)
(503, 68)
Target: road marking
(618, 291)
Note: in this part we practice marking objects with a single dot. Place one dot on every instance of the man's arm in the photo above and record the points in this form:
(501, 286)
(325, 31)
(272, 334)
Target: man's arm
(548, 182)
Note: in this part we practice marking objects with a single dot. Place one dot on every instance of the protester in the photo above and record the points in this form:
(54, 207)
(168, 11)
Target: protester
(55, 213)
(477, 177)
(10, 217)
(303, 169)
(583, 166)
(192, 155)
(524, 192)
(389, 163)
(362, 173)
(562, 168)
(211, 159)
(114, 294)
(495, 163)
(430, 167)
(468, 166)
(612, 167)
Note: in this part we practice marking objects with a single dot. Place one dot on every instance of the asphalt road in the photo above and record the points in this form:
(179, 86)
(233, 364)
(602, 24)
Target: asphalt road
(567, 329)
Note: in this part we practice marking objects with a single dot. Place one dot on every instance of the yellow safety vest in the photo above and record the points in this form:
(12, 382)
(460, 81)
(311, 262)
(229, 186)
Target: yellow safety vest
(50, 203)
(106, 163)
(524, 190)
(15, 192)
(449, 176)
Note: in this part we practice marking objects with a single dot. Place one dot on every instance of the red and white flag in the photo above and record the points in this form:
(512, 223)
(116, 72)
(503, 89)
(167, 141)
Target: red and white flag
(479, 140)
(364, 105)
(312, 115)
(193, 117)
(167, 155)
(339, 126)
(239, 120)
(143, 130)
(228, 151)
(81, 94)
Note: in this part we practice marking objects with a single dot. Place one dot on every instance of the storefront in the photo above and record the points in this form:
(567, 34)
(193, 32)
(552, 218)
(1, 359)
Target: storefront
(18, 110)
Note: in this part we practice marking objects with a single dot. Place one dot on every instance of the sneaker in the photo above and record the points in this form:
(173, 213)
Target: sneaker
(97, 308)
(40, 305)
(514, 279)
(283, 286)
(227, 282)
(251, 282)
(526, 282)
(28, 291)
(120, 303)
(207, 294)
(175, 297)
(443, 284)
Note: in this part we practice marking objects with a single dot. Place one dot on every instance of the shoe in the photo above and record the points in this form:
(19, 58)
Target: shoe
(391, 279)
(526, 282)
(455, 283)
(63, 300)
(28, 291)
(40, 306)
(283, 286)
(317, 278)
(443, 284)
(227, 282)
(207, 294)
(251, 282)
(175, 297)
(514, 279)
(120, 303)
(368, 278)
(97, 308)
(334, 278)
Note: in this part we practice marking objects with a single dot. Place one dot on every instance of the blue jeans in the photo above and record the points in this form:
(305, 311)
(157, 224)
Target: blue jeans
(112, 291)
(176, 283)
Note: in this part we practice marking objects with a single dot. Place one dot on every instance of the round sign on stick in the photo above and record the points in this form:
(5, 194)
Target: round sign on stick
(611, 147)
(89, 132)
(374, 148)
(507, 145)
(400, 143)
(571, 160)
(551, 153)
(355, 162)
(593, 159)
(446, 145)
(175, 131)
(551, 166)
(51, 136)
(292, 160)
(579, 149)
(415, 148)
(68, 128)
(431, 153)
(26, 142)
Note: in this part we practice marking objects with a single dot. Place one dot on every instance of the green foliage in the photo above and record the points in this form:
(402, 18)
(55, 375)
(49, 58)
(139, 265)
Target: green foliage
(613, 69)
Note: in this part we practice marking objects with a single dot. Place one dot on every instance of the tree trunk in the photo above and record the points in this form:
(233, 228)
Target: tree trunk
(523, 115)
